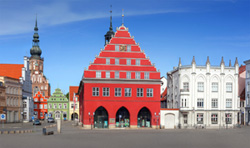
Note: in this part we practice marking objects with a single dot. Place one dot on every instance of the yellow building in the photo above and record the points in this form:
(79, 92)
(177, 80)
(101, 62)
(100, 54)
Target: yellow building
(73, 112)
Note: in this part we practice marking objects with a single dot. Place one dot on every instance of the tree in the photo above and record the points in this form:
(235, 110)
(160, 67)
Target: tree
(67, 95)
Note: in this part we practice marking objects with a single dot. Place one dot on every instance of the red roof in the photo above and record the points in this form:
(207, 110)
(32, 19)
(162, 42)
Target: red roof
(72, 90)
(242, 69)
(164, 94)
(11, 70)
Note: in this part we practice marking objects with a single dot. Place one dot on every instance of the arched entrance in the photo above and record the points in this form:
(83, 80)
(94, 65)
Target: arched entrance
(169, 121)
(144, 118)
(101, 118)
(57, 115)
(74, 116)
(122, 118)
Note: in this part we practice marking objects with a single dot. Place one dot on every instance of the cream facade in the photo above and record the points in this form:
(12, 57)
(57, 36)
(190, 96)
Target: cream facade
(247, 93)
(74, 114)
(207, 96)
(13, 96)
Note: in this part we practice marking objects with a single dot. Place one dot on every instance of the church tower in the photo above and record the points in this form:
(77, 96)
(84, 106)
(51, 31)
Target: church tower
(39, 81)
(110, 33)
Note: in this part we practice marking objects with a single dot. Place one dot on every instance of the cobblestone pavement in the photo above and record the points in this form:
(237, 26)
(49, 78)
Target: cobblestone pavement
(144, 138)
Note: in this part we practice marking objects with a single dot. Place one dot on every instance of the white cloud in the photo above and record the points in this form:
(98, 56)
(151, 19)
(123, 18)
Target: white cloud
(17, 20)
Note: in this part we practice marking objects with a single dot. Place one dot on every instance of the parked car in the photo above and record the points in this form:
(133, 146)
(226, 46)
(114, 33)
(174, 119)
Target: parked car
(51, 120)
(37, 122)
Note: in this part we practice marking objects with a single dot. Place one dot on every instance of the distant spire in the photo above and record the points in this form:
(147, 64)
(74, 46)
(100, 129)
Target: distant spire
(193, 61)
(122, 17)
(236, 61)
(208, 61)
(36, 28)
(110, 27)
(35, 51)
(230, 64)
(222, 61)
(179, 62)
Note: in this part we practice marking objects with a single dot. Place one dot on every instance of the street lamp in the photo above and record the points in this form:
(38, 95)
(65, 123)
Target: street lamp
(157, 120)
(90, 118)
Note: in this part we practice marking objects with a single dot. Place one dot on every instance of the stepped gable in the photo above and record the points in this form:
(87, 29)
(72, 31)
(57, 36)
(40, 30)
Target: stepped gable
(122, 46)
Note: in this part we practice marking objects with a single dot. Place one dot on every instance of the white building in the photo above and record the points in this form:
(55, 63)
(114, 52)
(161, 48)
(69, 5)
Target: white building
(163, 84)
(28, 103)
(247, 93)
(207, 96)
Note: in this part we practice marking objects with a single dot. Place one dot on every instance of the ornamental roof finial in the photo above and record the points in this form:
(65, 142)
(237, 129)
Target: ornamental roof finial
(208, 61)
(122, 17)
(179, 62)
(222, 61)
(193, 61)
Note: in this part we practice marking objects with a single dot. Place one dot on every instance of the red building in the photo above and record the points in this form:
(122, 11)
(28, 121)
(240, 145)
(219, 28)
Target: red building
(121, 88)
(40, 105)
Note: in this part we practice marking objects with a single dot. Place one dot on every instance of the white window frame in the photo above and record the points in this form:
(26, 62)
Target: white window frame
(200, 86)
(150, 92)
(214, 103)
(41, 106)
(105, 91)
(146, 75)
(60, 106)
(139, 92)
(45, 106)
(128, 61)
(200, 102)
(65, 106)
(200, 118)
(138, 62)
(98, 74)
(108, 61)
(215, 86)
(214, 118)
(228, 118)
(186, 86)
(55, 106)
(229, 87)
(107, 74)
(228, 103)
(95, 91)
(118, 92)
(117, 75)
(137, 75)
(127, 92)
(128, 75)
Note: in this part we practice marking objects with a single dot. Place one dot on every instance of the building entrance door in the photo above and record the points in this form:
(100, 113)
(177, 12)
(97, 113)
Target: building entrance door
(122, 118)
(101, 118)
(144, 118)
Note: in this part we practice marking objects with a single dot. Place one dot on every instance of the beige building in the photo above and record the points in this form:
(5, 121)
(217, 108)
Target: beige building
(13, 97)
(2, 98)
(73, 112)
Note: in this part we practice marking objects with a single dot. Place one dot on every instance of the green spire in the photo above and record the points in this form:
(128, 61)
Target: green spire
(35, 51)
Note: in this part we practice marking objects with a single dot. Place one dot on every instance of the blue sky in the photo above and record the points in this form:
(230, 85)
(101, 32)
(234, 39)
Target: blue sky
(72, 32)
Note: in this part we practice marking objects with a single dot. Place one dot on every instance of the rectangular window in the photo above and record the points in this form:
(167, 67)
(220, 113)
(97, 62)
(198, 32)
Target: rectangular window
(116, 47)
(105, 91)
(214, 87)
(214, 118)
(24, 104)
(55, 106)
(65, 106)
(214, 103)
(41, 114)
(107, 61)
(128, 61)
(137, 62)
(185, 119)
(228, 117)
(35, 106)
(127, 92)
(72, 105)
(95, 91)
(248, 74)
(229, 87)
(183, 102)
(118, 92)
(117, 75)
(107, 74)
(248, 86)
(129, 48)
(228, 103)
(128, 75)
(116, 61)
(139, 92)
(50, 106)
(45, 106)
(60, 106)
(199, 118)
(98, 74)
(149, 92)
(137, 75)
(185, 86)
(200, 87)
(146, 75)
(200, 103)
(41, 106)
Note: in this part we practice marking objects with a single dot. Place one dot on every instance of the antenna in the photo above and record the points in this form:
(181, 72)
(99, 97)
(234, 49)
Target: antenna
(122, 17)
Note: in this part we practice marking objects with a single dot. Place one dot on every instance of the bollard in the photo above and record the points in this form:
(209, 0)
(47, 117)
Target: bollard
(58, 125)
